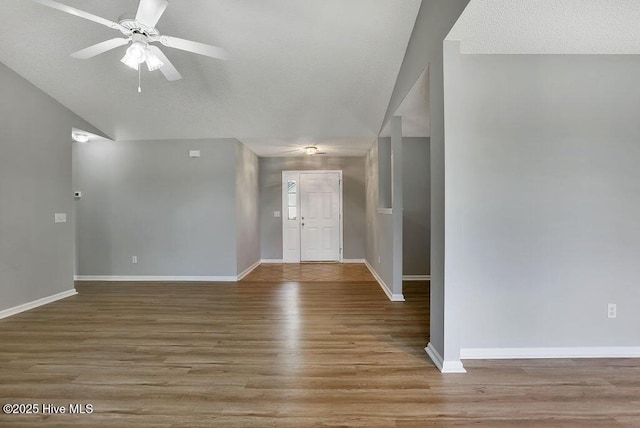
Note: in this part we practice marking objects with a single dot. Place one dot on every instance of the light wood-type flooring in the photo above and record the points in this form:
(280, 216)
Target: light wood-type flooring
(281, 354)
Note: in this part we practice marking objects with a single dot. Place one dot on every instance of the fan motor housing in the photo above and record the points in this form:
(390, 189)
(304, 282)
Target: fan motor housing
(129, 22)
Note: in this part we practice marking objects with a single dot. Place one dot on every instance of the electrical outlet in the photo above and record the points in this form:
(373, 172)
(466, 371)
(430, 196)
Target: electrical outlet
(612, 310)
(60, 217)
(134, 259)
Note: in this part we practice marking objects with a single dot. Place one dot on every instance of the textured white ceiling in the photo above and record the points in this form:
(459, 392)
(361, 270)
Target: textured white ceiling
(318, 70)
(549, 27)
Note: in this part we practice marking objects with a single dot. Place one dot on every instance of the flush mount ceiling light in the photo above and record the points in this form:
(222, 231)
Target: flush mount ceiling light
(81, 138)
(311, 150)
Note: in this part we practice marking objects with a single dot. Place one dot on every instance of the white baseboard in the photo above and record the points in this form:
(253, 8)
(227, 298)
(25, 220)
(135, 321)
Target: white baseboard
(142, 278)
(416, 277)
(40, 302)
(272, 261)
(385, 287)
(397, 298)
(353, 261)
(444, 366)
(557, 352)
(248, 270)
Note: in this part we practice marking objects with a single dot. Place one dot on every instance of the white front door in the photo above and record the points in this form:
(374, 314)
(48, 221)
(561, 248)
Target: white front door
(319, 216)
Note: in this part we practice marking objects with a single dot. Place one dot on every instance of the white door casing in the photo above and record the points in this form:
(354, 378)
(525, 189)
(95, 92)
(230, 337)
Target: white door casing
(312, 216)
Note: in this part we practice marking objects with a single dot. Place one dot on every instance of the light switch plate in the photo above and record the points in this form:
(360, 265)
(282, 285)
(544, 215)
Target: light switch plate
(194, 153)
(276, 214)
(60, 217)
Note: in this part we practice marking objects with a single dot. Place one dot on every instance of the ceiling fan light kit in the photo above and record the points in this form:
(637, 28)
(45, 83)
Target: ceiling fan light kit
(140, 32)
(153, 62)
(139, 52)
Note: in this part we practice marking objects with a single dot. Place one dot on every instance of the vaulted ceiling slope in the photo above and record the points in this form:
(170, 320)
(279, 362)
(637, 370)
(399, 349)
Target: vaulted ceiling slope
(549, 27)
(298, 70)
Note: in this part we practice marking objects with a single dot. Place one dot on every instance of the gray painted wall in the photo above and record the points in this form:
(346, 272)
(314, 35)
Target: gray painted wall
(149, 199)
(247, 210)
(385, 199)
(415, 213)
(543, 198)
(435, 20)
(36, 255)
(353, 200)
(417, 199)
(397, 203)
(379, 252)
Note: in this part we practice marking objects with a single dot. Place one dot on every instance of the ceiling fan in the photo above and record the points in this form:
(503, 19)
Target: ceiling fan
(140, 32)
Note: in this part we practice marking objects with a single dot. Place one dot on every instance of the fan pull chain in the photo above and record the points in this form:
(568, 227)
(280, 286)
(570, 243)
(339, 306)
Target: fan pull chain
(139, 80)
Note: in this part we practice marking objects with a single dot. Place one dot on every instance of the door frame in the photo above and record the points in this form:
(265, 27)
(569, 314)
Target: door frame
(290, 257)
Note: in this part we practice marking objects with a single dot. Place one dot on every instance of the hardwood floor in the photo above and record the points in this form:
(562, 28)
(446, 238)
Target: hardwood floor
(307, 272)
(281, 354)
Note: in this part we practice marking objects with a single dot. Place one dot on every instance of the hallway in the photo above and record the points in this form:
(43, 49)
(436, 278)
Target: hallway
(314, 272)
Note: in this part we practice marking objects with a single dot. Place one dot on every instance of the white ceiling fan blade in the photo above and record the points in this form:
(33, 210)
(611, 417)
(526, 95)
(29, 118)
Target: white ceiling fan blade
(150, 11)
(103, 47)
(195, 47)
(80, 13)
(167, 69)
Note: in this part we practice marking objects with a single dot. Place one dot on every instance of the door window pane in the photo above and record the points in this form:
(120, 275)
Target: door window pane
(293, 213)
(292, 198)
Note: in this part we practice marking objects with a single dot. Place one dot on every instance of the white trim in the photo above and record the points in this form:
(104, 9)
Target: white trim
(556, 352)
(40, 302)
(385, 288)
(295, 174)
(385, 211)
(397, 298)
(272, 261)
(341, 223)
(443, 366)
(133, 278)
(353, 261)
(435, 356)
(248, 270)
(416, 277)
